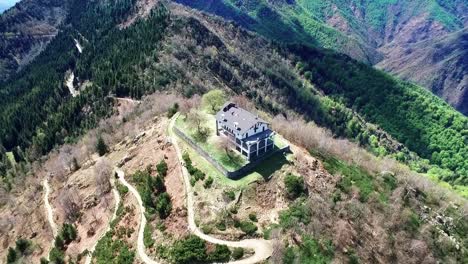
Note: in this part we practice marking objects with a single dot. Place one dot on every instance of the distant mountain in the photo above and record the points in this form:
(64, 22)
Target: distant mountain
(5, 4)
(3, 7)
(440, 63)
(25, 31)
(370, 31)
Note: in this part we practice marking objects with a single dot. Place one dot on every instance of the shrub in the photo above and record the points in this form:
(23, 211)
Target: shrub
(159, 184)
(59, 243)
(412, 223)
(231, 195)
(161, 227)
(193, 181)
(208, 182)
(148, 240)
(186, 158)
(163, 205)
(289, 256)
(101, 146)
(198, 174)
(294, 186)
(190, 250)
(221, 226)
(353, 258)
(44, 261)
(68, 233)
(253, 217)
(390, 181)
(237, 253)
(109, 250)
(172, 110)
(233, 210)
(207, 229)
(298, 212)
(162, 168)
(314, 251)
(122, 189)
(11, 257)
(221, 254)
(192, 170)
(56, 256)
(248, 227)
(22, 245)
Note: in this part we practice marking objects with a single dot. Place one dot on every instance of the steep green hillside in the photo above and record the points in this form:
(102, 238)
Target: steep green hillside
(349, 26)
(440, 63)
(37, 113)
(285, 22)
(26, 29)
(369, 31)
(412, 115)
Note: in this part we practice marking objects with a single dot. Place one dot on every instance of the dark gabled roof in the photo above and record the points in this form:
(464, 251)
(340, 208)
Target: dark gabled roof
(236, 118)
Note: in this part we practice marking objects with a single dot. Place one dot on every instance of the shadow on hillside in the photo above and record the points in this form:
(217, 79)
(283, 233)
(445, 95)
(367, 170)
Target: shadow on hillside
(270, 165)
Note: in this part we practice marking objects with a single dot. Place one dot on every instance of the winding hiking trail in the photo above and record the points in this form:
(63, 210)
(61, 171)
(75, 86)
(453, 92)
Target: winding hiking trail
(49, 210)
(53, 225)
(140, 245)
(263, 248)
(89, 256)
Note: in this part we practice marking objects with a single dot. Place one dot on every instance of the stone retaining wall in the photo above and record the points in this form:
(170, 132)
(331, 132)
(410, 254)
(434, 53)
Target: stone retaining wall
(247, 168)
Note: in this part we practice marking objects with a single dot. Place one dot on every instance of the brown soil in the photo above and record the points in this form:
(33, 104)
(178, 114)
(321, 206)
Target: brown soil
(263, 198)
(23, 216)
(96, 212)
(143, 8)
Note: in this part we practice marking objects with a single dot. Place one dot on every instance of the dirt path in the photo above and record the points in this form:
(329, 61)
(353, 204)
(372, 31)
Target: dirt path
(49, 210)
(263, 248)
(126, 99)
(140, 245)
(89, 257)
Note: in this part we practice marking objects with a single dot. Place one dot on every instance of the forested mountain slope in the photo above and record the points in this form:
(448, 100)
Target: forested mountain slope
(369, 31)
(37, 113)
(26, 29)
(440, 63)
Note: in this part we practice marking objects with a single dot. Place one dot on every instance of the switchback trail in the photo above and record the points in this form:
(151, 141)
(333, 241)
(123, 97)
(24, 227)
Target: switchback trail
(89, 256)
(263, 248)
(140, 245)
(49, 210)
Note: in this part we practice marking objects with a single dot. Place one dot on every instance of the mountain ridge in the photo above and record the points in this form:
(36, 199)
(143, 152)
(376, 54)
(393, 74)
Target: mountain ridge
(369, 31)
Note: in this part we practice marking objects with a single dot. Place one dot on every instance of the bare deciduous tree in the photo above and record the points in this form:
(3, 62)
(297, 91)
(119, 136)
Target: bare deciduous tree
(188, 104)
(103, 172)
(194, 118)
(243, 102)
(225, 144)
(70, 202)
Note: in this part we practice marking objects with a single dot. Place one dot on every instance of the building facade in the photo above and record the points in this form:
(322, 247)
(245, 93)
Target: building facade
(249, 134)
